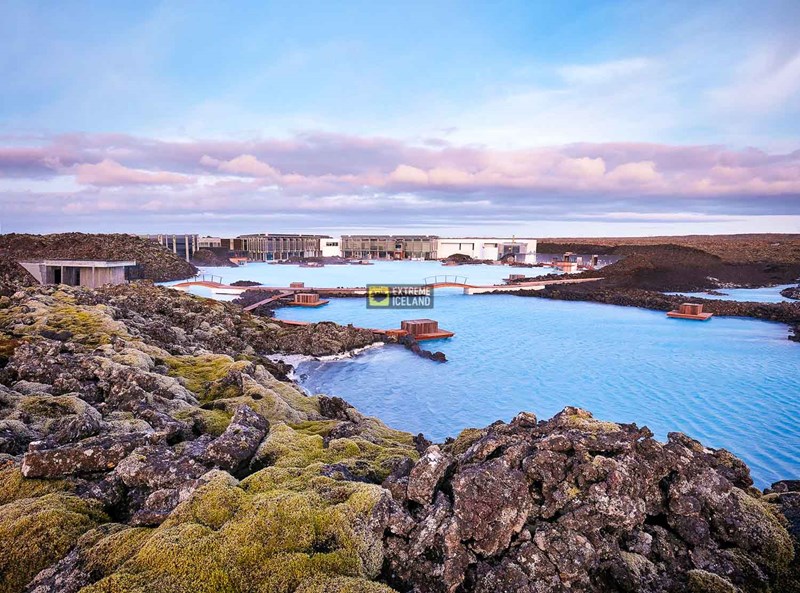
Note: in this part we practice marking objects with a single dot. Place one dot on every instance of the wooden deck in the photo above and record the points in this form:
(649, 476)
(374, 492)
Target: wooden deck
(697, 317)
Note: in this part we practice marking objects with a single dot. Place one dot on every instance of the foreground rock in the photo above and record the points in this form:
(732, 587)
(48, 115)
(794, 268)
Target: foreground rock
(574, 504)
(147, 443)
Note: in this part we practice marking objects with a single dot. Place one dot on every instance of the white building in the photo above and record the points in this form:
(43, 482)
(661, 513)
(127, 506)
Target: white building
(330, 246)
(492, 248)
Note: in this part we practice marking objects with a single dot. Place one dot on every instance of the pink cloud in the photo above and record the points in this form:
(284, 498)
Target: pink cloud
(319, 165)
(246, 165)
(111, 173)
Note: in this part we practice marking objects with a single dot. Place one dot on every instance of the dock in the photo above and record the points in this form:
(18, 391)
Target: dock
(690, 311)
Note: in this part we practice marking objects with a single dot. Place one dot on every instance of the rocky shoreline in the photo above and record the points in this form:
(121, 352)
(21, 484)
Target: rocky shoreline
(793, 292)
(785, 312)
(147, 443)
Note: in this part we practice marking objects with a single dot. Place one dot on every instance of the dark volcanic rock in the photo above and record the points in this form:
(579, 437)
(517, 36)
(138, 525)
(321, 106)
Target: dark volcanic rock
(237, 445)
(129, 400)
(577, 504)
(793, 292)
(96, 454)
(206, 257)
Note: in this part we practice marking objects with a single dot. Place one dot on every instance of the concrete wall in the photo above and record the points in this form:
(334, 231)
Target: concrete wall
(94, 277)
(88, 276)
(486, 248)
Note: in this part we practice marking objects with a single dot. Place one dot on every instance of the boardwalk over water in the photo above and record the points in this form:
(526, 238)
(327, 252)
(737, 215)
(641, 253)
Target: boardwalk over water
(432, 281)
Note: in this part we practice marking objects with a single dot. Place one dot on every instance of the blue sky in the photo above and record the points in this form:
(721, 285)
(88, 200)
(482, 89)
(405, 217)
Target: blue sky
(573, 117)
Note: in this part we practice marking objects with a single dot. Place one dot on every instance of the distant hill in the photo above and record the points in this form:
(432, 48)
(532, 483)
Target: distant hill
(746, 248)
(153, 261)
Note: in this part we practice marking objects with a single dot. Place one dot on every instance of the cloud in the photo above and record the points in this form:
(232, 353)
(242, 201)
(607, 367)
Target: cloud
(246, 165)
(604, 72)
(766, 80)
(111, 173)
(316, 178)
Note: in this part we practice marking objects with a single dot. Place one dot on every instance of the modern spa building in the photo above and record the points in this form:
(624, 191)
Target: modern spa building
(183, 246)
(491, 248)
(264, 247)
(272, 246)
(389, 246)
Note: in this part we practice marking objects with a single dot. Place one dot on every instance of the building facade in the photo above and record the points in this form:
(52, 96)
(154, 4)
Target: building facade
(491, 248)
(88, 273)
(276, 247)
(389, 246)
(183, 246)
(331, 246)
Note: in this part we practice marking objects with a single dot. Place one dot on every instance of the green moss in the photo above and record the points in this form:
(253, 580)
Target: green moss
(771, 543)
(15, 487)
(287, 447)
(465, 439)
(200, 371)
(212, 505)
(89, 325)
(315, 427)
(35, 532)
(110, 546)
(51, 407)
(213, 422)
(583, 420)
(701, 581)
(226, 539)
(342, 585)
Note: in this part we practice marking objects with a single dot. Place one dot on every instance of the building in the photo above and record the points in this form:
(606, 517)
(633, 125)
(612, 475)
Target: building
(183, 246)
(491, 248)
(330, 246)
(269, 247)
(88, 273)
(389, 246)
(209, 242)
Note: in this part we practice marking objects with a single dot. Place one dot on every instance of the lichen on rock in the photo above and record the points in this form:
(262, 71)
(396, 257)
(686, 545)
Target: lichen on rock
(148, 443)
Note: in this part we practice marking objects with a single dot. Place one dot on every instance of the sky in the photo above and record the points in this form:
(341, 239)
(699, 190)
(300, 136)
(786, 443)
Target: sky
(486, 117)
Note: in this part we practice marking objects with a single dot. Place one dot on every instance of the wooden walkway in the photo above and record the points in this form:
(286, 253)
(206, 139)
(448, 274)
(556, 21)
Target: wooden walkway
(269, 300)
(468, 288)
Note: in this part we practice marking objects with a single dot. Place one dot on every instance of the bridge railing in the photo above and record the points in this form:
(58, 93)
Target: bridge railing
(208, 278)
(445, 278)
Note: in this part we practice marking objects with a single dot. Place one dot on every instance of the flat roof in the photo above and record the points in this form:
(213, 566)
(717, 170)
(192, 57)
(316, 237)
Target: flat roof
(81, 263)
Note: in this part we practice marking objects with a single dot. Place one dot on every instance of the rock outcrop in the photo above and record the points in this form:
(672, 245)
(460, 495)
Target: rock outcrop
(575, 504)
(206, 257)
(793, 292)
(148, 443)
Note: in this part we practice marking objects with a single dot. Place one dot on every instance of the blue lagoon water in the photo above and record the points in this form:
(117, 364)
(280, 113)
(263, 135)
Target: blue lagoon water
(398, 272)
(729, 382)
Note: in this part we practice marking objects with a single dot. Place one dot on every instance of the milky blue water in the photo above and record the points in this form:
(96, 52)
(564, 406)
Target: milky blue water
(771, 294)
(401, 272)
(730, 382)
